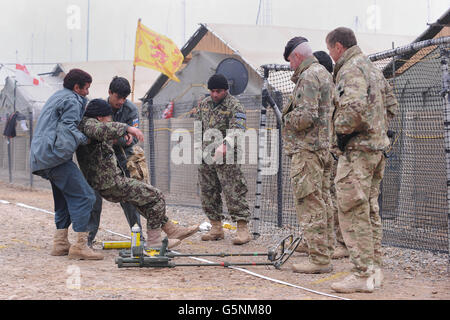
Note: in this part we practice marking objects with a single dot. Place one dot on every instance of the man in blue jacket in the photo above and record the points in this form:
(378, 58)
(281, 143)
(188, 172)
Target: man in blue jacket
(55, 140)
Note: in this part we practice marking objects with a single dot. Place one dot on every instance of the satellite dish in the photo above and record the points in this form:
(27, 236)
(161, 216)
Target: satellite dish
(236, 74)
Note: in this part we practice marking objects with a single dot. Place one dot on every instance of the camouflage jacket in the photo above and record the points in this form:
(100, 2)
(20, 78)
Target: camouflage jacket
(97, 159)
(228, 114)
(307, 115)
(364, 102)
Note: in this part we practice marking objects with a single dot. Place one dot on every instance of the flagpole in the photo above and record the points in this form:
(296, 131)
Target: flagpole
(132, 89)
(134, 66)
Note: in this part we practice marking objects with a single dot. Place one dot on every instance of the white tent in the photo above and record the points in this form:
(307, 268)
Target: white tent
(26, 98)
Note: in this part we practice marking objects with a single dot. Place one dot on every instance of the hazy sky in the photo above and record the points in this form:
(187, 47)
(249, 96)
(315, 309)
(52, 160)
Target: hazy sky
(53, 31)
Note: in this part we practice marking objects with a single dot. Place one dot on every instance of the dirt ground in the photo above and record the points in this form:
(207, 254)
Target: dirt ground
(29, 272)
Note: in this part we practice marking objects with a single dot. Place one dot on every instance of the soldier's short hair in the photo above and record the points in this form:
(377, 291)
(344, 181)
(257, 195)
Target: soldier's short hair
(344, 36)
(121, 86)
(76, 76)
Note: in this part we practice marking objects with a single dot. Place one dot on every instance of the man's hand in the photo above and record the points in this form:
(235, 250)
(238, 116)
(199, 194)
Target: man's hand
(128, 139)
(135, 132)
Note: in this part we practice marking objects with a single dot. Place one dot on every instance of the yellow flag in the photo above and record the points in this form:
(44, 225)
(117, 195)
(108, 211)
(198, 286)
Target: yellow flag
(155, 51)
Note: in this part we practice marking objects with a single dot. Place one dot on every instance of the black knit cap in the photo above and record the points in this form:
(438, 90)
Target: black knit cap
(98, 108)
(325, 60)
(290, 46)
(218, 81)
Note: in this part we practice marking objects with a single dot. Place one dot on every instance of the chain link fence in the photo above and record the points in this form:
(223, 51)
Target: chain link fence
(414, 199)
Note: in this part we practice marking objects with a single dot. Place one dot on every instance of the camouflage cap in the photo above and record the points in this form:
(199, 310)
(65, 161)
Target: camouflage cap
(290, 46)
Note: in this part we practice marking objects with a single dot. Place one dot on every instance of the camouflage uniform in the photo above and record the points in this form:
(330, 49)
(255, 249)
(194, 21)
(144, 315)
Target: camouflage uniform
(364, 102)
(129, 115)
(99, 165)
(137, 166)
(227, 177)
(306, 139)
(339, 240)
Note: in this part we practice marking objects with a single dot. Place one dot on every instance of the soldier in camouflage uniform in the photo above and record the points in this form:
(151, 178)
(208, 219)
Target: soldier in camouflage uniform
(337, 248)
(364, 102)
(306, 139)
(222, 111)
(99, 165)
(126, 112)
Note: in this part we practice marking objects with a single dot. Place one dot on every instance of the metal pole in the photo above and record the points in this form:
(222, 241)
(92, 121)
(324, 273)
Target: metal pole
(9, 139)
(169, 177)
(31, 139)
(15, 95)
(261, 143)
(380, 197)
(87, 30)
(280, 176)
(151, 142)
(8, 142)
(446, 95)
(416, 46)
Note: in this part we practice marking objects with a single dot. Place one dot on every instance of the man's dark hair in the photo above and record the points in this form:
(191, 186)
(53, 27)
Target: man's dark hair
(76, 76)
(325, 60)
(344, 36)
(218, 81)
(121, 86)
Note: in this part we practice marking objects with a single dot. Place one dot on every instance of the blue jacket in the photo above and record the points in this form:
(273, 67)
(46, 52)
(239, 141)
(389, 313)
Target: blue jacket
(56, 136)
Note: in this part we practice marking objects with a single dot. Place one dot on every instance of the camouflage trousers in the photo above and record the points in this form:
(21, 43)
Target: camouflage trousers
(358, 179)
(339, 240)
(214, 179)
(311, 181)
(148, 200)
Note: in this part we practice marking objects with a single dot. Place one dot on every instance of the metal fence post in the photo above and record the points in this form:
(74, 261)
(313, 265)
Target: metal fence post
(280, 177)
(31, 139)
(446, 95)
(261, 143)
(8, 142)
(151, 142)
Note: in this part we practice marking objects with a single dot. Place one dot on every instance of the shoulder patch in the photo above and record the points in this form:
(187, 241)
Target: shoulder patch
(241, 115)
